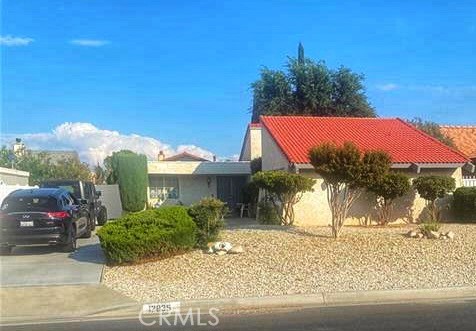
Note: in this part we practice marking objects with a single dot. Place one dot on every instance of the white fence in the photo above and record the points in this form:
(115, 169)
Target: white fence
(111, 198)
(6, 189)
(469, 181)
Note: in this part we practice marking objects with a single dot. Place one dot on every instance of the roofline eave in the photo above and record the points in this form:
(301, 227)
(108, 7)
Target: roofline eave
(417, 166)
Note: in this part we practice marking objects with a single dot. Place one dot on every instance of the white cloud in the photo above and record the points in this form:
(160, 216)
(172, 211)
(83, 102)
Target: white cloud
(388, 87)
(94, 144)
(15, 41)
(89, 42)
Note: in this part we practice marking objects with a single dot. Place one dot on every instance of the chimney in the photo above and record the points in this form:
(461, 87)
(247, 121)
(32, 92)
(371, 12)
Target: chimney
(161, 156)
(214, 158)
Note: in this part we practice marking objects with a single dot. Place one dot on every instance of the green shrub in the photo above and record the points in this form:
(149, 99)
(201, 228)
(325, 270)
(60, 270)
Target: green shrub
(267, 214)
(147, 234)
(432, 188)
(208, 215)
(283, 190)
(464, 203)
(129, 170)
(427, 227)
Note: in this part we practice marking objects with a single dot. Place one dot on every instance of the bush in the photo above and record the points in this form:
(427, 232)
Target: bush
(427, 227)
(432, 188)
(388, 188)
(151, 233)
(464, 203)
(283, 190)
(267, 214)
(130, 172)
(208, 215)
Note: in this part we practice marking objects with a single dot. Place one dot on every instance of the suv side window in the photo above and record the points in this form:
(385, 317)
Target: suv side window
(87, 190)
(65, 201)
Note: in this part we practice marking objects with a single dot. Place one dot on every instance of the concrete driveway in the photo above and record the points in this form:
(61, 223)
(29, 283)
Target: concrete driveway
(44, 265)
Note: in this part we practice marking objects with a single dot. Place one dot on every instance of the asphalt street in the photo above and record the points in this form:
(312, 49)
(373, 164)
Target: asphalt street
(447, 316)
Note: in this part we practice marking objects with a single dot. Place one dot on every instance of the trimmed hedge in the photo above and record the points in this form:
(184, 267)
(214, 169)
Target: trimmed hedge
(131, 172)
(147, 234)
(464, 203)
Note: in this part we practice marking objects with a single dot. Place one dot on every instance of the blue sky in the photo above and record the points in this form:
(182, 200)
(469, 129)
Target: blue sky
(180, 71)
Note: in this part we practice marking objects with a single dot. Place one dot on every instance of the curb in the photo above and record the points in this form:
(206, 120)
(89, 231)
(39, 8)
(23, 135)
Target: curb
(322, 299)
(331, 299)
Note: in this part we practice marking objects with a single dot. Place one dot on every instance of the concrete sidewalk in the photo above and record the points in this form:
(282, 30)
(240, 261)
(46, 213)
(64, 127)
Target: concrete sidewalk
(30, 305)
(63, 302)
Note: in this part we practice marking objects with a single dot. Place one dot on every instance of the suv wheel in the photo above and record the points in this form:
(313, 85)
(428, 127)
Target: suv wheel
(102, 216)
(6, 250)
(71, 245)
(93, 222)
(87, 232)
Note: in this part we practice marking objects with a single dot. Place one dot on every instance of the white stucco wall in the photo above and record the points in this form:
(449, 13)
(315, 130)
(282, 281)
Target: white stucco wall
(313, 209)
(251, 148)
(272, 157)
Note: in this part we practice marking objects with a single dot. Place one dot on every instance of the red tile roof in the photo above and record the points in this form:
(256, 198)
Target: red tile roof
(255, 125)
(295, 135)
(464, 138)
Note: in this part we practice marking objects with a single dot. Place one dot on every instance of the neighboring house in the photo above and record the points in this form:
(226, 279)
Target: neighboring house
(19, 148)
(11, 180)
(286, 140)
(251, 148)
(13, 177)
(464, 138)
(57, 156)
(186, 178)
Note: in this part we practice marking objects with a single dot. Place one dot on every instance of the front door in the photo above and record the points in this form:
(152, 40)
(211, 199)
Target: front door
(229, 189)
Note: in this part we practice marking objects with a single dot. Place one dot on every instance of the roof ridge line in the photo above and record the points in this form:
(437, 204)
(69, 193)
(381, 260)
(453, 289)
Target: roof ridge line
(421, 132)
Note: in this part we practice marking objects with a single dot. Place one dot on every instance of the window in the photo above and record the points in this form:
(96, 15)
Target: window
(23, 204)
(87, 190)
(164, 187)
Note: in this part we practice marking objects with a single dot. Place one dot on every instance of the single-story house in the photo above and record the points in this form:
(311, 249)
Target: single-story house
(286, 140)
(186, 178)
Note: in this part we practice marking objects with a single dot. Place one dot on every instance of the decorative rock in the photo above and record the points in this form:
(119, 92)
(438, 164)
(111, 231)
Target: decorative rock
(236, 250)
(420, 235)
(210, 250)
(450, 235)
(412, 234)
(220, 252)
(222, 246)
(433, 235)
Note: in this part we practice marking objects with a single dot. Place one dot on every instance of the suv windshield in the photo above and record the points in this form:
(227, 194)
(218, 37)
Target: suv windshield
(19, 204)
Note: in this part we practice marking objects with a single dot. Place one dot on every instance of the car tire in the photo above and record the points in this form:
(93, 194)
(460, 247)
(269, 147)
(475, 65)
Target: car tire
(88, 232)
(71, 245)
(93, 222)
(6, 250)
(102, 216)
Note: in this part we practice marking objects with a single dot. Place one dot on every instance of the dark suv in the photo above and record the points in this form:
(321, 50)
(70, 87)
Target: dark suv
(86, 193)
(42, 216)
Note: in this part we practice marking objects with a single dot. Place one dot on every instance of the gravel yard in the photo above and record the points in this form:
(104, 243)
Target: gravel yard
(281, 261)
